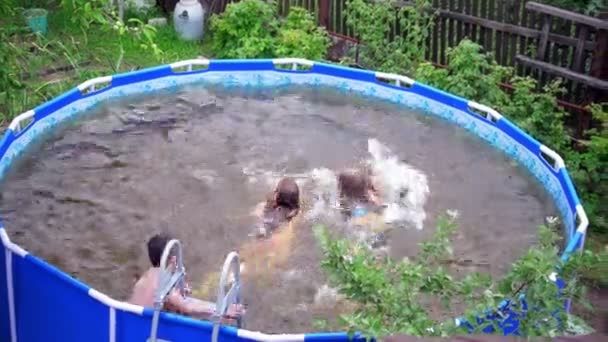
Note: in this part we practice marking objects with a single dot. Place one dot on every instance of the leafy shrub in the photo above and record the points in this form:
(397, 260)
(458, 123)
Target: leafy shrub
(300, 36)
(588, 167)
(373, 21)
(251, 29)
(537, 112)
(474, 75)
(245, 30)
(390, 294)
(466, 64)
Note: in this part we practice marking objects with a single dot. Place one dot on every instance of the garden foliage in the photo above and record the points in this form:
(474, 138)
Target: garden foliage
(381, 51)
(535, 112)
(474, 74)
(394, 297)
(252, 29)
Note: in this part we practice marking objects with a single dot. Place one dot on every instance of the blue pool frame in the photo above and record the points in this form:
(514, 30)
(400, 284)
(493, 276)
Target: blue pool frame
(38, 302)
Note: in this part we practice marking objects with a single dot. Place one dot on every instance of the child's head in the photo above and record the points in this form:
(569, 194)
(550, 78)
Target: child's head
(287, 194)
(156, 247)
(354, 185)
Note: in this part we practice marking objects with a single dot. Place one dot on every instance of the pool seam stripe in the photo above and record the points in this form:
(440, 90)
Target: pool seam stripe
(9, 248)
(112, 331)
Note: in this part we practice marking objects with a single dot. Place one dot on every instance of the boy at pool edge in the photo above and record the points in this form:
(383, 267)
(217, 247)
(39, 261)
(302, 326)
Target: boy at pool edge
(145, 289)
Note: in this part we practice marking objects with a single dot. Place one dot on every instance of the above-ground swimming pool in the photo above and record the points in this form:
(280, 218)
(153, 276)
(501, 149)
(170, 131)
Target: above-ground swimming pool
(44, 303)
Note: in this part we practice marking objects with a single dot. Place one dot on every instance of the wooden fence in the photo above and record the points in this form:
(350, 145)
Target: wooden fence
(535, 39)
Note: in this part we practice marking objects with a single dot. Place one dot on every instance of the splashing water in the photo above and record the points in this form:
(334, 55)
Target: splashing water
(324, 193)
(403, 188)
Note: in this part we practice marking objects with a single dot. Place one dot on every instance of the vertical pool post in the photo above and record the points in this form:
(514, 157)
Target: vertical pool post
(10, 249)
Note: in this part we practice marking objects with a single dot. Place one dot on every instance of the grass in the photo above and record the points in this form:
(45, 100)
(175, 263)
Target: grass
(80, 56)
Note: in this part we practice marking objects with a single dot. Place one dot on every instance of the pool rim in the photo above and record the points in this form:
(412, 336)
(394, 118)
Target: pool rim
(16, 128)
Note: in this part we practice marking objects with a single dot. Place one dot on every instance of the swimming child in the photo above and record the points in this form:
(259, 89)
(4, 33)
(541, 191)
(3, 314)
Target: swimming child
(145, 288)
(362, 207)
(357, 192)
(275, 237)
(282, 205)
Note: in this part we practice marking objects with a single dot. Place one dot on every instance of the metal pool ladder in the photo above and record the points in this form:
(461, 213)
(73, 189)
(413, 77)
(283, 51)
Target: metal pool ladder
(174, 278)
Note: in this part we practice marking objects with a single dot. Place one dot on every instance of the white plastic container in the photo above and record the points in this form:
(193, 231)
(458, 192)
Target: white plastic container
(188, 19)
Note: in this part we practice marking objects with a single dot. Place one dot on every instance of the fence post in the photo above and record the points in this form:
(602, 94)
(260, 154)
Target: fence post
(324, 13)
(599, 69)
(544, 38)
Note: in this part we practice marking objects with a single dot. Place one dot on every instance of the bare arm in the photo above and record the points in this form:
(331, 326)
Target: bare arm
(198, 308)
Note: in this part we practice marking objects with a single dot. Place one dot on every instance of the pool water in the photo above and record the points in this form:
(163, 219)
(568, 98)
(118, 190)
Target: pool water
(197, 162)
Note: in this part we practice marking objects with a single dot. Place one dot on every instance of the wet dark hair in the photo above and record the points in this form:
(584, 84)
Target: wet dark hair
(354, 186)
(288, 194)
(156, 247)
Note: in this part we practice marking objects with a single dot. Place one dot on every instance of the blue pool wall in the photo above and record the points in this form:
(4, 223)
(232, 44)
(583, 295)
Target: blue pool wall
(38, 302)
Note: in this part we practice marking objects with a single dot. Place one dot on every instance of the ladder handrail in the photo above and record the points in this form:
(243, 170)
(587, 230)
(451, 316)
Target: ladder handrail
(167, 281)
(232, 296)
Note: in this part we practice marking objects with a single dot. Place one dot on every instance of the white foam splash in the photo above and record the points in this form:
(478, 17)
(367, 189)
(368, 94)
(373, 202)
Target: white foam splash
(324, 192)
(403, 189)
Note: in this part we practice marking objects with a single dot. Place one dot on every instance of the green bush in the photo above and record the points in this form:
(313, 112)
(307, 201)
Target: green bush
(300, 36)
(372, 23)
(391, 297)
(252, 29)
(474, 75)
(466, 64)
(245, 30)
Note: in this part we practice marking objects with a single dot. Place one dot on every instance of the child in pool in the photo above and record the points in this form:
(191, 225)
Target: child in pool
(361, 205)
(356, 189)
(275, 237)
(281, 206)
(146, 286)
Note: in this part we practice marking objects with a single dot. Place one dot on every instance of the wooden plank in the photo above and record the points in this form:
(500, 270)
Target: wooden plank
(515, 9)
(490, 33)
(443, 37)
(467, 26)
(599, 67)
(459, 35)
(499, 34)
(523, 41)
(565, 60)
(566, 50)
(475, 12)
(435, 40)
(565, 73)
(324, 6)
(483, 12)
(554, 49)
(579, 50)
(506, 18)
(575, 17)
(451, 23)
(508, 28)
(340, 17)
(544, 38)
